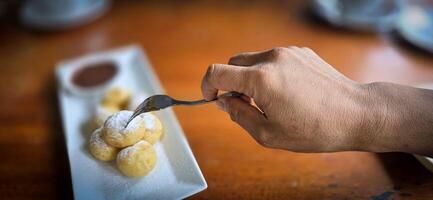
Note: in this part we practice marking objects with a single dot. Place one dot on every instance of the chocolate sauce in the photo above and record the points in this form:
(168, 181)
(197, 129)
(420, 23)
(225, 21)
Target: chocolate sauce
(94, 74)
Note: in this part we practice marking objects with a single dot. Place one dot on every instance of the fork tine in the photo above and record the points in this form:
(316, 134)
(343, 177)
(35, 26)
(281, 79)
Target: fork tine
(140, 109)
(133, 116)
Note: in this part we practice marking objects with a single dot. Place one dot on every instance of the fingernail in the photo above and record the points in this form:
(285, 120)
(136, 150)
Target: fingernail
(220, 105)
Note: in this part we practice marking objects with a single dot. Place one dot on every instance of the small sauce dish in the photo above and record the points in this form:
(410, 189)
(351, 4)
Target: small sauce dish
(90, 78)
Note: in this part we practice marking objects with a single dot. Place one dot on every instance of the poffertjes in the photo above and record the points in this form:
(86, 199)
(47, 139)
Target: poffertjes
(117, 134)
(137, 160)
(100, 149)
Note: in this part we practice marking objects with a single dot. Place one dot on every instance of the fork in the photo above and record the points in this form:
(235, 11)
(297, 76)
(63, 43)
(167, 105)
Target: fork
(158, 102)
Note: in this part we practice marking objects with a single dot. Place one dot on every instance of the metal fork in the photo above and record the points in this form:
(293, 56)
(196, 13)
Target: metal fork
(158, 102)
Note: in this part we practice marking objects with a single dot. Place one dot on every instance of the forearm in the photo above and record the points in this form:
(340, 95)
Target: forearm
(402, 119)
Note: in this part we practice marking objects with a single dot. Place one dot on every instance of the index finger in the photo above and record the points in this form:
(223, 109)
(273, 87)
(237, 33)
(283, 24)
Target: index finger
(226, 78)
(253, 58)
(249, 58)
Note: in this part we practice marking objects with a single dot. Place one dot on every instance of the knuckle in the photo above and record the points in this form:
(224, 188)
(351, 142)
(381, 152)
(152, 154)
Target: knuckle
(307, 50)
(278, 52)
(279, 49)
(296, 49)
(293, 48)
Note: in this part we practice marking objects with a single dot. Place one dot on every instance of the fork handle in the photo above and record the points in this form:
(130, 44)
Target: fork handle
(203, 101)
(190, 103)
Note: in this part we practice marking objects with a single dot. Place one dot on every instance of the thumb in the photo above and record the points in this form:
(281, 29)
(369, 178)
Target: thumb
(246, 115)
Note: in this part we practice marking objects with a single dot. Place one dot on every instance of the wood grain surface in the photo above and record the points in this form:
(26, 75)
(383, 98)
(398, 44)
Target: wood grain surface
(182, 38)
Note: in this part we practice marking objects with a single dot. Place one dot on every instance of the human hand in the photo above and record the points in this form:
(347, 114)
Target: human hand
(301, 102)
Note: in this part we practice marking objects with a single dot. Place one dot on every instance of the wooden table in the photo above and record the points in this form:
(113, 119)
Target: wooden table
(182, 39)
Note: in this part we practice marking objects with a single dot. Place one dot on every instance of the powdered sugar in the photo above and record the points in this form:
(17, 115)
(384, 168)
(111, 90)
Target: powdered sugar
(96, 139)
(126, 152)
(149, 121)
(118, 121)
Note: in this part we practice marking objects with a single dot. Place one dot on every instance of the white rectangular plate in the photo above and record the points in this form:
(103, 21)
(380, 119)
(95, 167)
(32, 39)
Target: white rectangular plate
(176, 174)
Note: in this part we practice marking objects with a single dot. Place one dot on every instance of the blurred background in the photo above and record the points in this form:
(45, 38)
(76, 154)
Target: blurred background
(370, 40)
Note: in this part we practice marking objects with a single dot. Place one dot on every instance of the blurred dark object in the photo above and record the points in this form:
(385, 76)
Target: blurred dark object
(2, 9)
(412, 20)
(51, 15)
(8, 8)
(361, 15)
